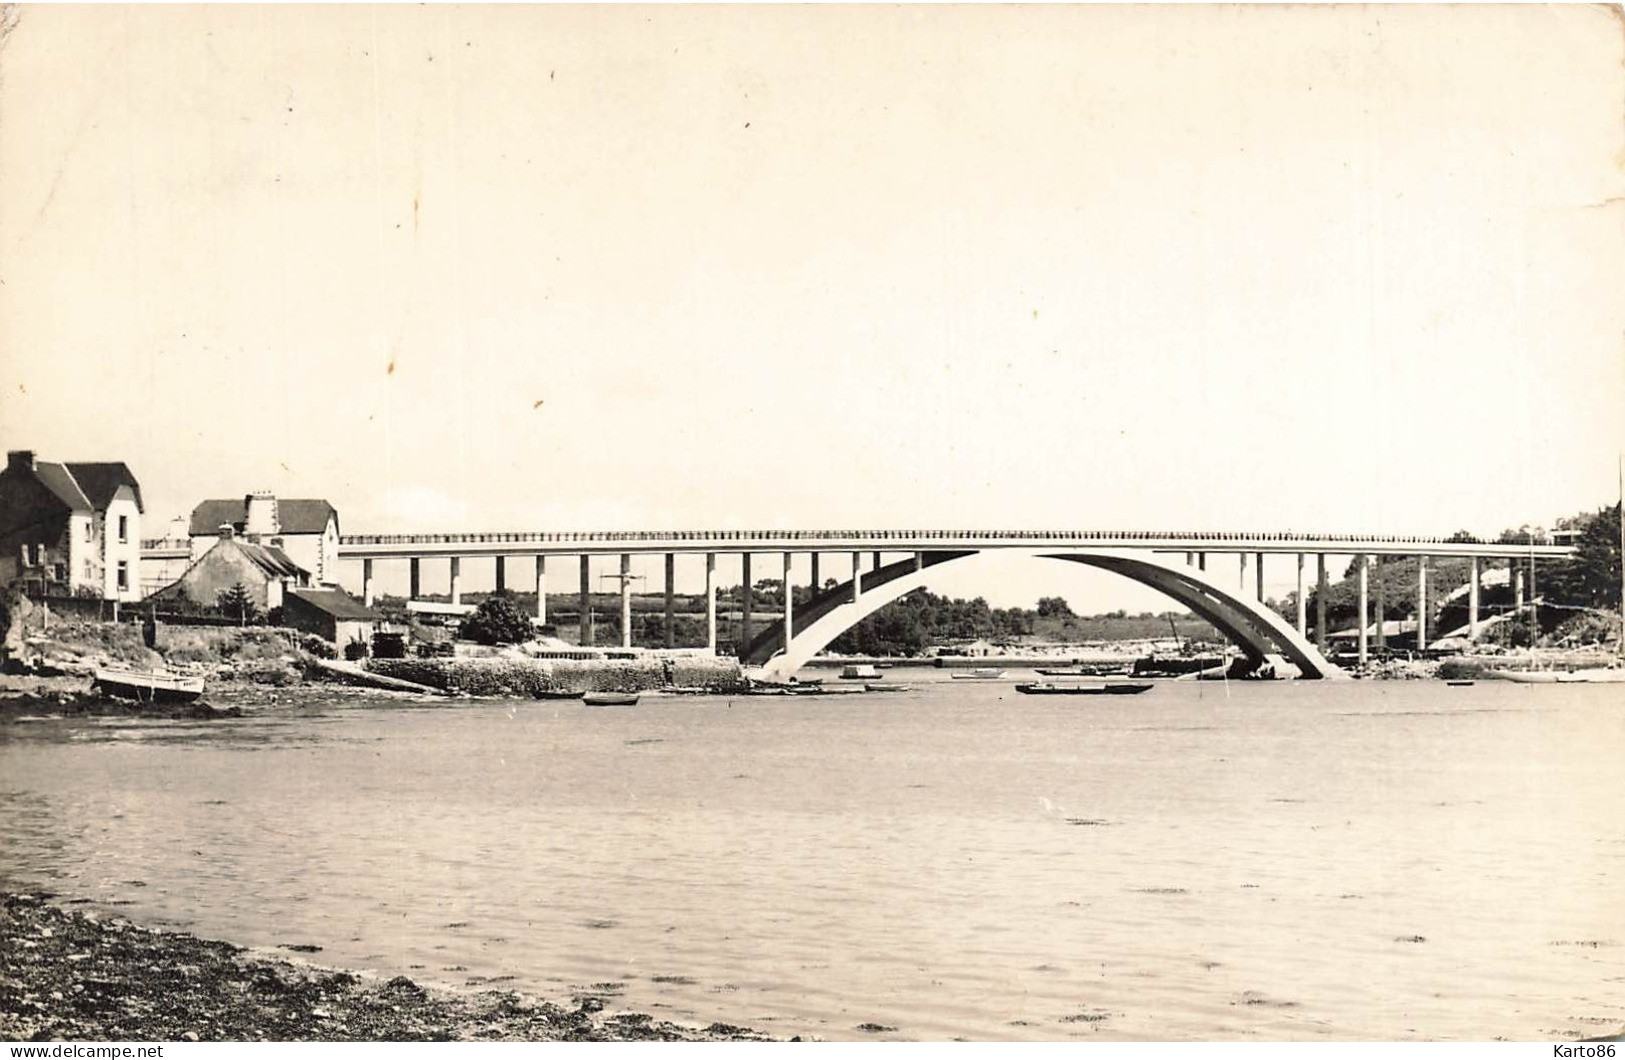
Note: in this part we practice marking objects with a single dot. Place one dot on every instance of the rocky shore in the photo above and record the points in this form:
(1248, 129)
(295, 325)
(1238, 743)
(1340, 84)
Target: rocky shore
(75, 976)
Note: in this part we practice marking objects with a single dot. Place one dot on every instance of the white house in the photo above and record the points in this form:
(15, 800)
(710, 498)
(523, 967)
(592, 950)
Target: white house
(307, 531)
(70, 528)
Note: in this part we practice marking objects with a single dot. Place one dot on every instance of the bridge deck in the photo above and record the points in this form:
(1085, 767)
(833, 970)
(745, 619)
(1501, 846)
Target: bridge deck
(401, 546)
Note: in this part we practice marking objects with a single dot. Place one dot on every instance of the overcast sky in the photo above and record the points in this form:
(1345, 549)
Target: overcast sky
(621, 267)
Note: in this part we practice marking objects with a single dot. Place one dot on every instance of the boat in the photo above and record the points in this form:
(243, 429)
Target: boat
(873, 687)
(1094, 670)
(1600, 675)
(980, 673)
(1050, 688)
(1460, 684)
(859, 672)
(610, 699)
(553, 693)
(148, 686)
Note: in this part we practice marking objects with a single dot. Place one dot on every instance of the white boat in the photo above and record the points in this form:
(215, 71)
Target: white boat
(148, 686)
(859, 672)
(610, 699)
(980, 673)
(1597, 676)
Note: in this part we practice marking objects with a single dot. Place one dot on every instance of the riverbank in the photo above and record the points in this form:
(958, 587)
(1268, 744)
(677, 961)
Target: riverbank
(75, 976)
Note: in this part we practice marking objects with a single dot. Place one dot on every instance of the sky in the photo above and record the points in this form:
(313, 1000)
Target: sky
(535, 268)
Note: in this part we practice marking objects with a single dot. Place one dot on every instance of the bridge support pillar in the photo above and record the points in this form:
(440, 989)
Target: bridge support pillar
(366, 582)
(415, 579)
(541, 590)
(813, 580)
(1472, 599)
(1421, 603)
(1201, 561)
(455, 587)
(857, 576)
(1534, 604)
(1241, 573)
(1303, 602)
(1382, 607)
(711, 601)
(877, 562)
(502, 573)
(789, 629)
(1320, 602)
(1515, 580)
(919, 561)
(744, 604)
(1363, 563)
(1190, 559)
(585, 608)
(1258, 575)
(626, 600)
(671, 592)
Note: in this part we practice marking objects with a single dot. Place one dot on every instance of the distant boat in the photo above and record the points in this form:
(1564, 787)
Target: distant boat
(872, 687)
(860, 672)
(980, 673)
(1599, 676)
(148, 686)
(1459, 684)
(1050, 688)
(552, 693)
(610, 699)
(1095, 670)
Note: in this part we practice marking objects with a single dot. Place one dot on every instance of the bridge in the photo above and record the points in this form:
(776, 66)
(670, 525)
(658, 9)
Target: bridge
(1173, 562)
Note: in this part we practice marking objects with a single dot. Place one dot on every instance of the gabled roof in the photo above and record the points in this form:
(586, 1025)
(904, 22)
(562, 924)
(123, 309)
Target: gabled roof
(273, 561)
(293, 516)
(100, 481)
(59, 480)
(336, 602)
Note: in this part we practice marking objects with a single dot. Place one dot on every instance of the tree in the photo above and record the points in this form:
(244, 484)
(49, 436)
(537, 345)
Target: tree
(236, 603)
(498, 620)
(1591, 576)
(1053, 607)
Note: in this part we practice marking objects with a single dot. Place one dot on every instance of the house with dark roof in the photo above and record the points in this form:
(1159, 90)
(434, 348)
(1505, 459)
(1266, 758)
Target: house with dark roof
(266, 572)
(330, 613)
(70, 528)
(307, 530)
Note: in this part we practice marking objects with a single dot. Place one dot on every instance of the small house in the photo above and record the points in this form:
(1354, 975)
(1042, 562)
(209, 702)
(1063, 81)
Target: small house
(306, 530)
(331, 614)
(70, 528)
(264, 571)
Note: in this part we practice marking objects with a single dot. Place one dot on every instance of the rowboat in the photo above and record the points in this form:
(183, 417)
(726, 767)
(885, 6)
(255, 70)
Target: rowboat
(1050, 688)
(610, 699)
(873, 687)
(148, 686)
(553, 693)
(1600, 676)
(981, 673)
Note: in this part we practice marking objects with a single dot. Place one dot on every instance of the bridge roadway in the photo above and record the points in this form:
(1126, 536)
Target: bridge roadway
(1135, 554)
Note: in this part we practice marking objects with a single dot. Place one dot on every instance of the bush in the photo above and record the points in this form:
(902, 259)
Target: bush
(498, 620)
(355, 651)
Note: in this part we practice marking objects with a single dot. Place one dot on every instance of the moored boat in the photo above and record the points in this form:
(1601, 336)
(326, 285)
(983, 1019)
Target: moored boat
(610, 699)
(553, 693)
(874, 687)
(1050, 688)
(980, 673)
(148, 686)
(1599, 675)
(859, 672)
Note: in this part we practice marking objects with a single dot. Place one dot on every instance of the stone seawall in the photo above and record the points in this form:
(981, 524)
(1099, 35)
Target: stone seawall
(526, 677)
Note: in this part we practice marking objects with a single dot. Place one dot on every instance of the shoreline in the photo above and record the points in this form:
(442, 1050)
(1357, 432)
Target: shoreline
(68, 974)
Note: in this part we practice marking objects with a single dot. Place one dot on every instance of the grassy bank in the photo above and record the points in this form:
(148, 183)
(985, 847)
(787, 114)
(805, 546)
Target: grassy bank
(69, 975)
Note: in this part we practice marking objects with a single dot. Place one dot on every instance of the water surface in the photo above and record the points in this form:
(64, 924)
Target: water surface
(1290, 860)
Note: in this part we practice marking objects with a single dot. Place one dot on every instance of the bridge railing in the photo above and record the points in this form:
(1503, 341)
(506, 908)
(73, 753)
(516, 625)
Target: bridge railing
(865, 537)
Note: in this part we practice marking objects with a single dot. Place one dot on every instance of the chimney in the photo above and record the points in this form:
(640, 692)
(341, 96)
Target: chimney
(226, 532)
(20, 460)
(261, 519)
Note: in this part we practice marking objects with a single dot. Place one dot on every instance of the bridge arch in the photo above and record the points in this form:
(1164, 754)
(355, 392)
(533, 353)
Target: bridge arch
(1256, 629)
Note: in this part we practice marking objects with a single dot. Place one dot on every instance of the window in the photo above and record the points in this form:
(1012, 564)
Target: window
(123, 567)
(123, 529)
(90, 531)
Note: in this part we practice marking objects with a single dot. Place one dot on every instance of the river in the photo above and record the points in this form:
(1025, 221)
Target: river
(1206, 861)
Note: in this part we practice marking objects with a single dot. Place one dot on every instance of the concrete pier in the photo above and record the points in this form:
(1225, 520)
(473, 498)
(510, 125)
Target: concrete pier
(366, 582)
(1320, 602)
(456, 577)
(541, 590)
(1363, 563)
(1421, 603)
(626, 600)
(789, 627)
(414, 579)
(671, 593)
(1258, 575)
(877, 562)
(586, 602)
(1241, 572)
(813, 579)
(1201, 561)
(1303, 602)
(1472, 599)
(857, 576)
(502, 573)
(711, 601)
(744, 603)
